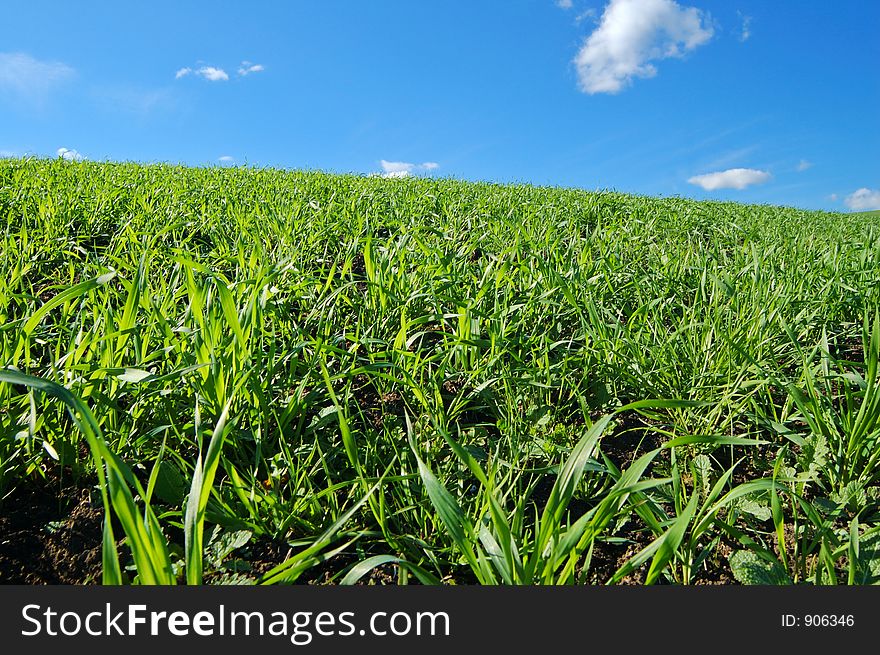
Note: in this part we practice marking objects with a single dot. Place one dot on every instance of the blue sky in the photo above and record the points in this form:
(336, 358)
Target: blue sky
(752, 100)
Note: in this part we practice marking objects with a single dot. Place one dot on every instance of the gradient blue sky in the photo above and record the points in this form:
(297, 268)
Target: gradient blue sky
(690, 98)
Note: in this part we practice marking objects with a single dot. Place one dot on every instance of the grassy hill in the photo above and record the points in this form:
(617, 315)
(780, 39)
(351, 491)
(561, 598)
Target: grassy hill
(429, 380)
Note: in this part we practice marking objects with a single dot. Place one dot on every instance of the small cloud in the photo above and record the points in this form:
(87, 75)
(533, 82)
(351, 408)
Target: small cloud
(863, 199)
(247, 68)
(69, 154)
(395, 166)
(213, 74)
(405, 168)
(803, 165)
(734, 178)
(631, 35)
(564, 4)
(833, 197)
(210, 73)
(5, 154)
(746, 30)
(584, 15)
(226, 159)
(30, 79)
(216, 74)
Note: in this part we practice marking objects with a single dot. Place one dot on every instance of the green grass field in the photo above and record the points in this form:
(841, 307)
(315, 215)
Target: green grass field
(265, 376)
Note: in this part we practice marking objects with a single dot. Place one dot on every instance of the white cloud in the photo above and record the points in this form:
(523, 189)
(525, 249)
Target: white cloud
(746, 27)
(564, 4)
(405, 168)
(734, 178)
(833, 197)
(863, 199)
(396, 166)
(7, 153)
(632, 34)
(210, 73)
(68, 154)
(803, 165)
(226, 159)
(30, 78)
(247, 68)
(585, 14)
(213, 74)
(216, 74)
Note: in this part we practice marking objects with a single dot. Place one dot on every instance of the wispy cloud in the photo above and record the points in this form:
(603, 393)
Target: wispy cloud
(226, 159)
(564, 4)
(246, 68)
(30, 79)
(632, 34)
(210, 73)
(141, 102)
(7, 153)
(730, 159)
(585, 14)
(734, 178)
(803, 165)
(69, 154)
(863, 199)
(746, 31)
(405, 168)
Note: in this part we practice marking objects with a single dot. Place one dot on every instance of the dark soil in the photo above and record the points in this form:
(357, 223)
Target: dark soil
(631, 439)
(608, 557)
(717, 570)
(50, 536)
(848, 348)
